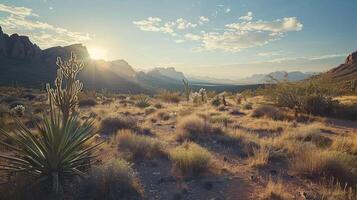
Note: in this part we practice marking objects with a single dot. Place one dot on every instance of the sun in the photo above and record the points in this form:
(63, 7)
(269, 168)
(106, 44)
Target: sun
(97, 53)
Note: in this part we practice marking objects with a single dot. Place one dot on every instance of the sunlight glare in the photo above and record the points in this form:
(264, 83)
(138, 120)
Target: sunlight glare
(97, 53)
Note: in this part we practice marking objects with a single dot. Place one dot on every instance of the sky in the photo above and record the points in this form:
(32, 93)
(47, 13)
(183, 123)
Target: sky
(227, 39)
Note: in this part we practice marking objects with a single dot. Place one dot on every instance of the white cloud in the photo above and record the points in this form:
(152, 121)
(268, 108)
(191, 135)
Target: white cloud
(192, 37)
(269, 54)
(179, 41)
(202, 20)
(227, 10)
(247, 34)
(20, 11)
(184, 24)
(18, 20)
(155, 24)
(280, 25)
(247, 17)
(232, 38)
(322, 57)
(235, 41)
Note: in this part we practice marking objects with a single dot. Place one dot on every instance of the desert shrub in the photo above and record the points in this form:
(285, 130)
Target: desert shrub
(260, 156)
(4, 110)
(110, 181)
(236, 111)
(150, 110)
(313, 97)
(28, 96)
(190, 158)
(169, 97)
(247, 106)
(268, 112)
(111, 125)
(87, 102)
(139, 146)
(158, 105)
(314, 163)
(275, 190)
(311, 133)
(345, 144)
(192, 127)
(220, 119)
(332, 190)
(163, 115)
(142, 101)
(243, 142)
(216, 101)
(18, 110)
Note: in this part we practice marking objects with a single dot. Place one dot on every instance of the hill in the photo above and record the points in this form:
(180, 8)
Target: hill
(346, 71)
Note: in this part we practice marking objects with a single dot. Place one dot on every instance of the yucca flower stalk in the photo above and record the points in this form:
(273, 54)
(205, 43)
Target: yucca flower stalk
(62, 149)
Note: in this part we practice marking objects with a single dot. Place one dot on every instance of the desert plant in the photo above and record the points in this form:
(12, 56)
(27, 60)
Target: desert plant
(269, 112)
(114, 179)
(87, 102)
(192, 127)
(187, 89)
(66, 99)
(138, 145)
(275, 190)
(203, 94)
(18, 110)
(111, 125)
(191, 159)
(142, 101)
(150, 110)
(216, 101)
(61, 150)
(168, 96)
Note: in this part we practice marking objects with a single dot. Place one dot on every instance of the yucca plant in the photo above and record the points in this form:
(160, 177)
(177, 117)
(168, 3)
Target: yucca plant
(62, 147)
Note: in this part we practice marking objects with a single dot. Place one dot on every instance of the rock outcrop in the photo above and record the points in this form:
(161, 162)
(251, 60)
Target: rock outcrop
(16, 46)
(352, 58)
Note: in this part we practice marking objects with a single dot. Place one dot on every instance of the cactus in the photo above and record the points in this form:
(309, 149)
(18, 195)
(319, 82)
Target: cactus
(202, 92)
(66, 99)
(187, 89)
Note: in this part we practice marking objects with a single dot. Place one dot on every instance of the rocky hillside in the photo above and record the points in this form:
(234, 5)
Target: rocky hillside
(346, 71)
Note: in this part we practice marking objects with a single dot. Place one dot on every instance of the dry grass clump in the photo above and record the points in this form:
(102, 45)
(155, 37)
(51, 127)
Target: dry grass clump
(220, 119)
(240, 140)
(150, 110)
(87, 102)
(315, 163)
(163, 115)
(345, 144)
(311, 133)
(139, 146)
(192, 127)
(247, 106)
(268, 112)
(111, 125)
(260, 157)
(335, 191)
(275, 191)
(110, 181)
(191, 159)
(169, 97)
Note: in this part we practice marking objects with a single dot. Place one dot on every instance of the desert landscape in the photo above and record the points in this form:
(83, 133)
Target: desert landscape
(75, 125)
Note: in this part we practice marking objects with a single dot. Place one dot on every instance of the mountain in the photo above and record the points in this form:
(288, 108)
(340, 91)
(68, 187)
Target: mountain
(346, 71)
(279, 75)
(23, 63)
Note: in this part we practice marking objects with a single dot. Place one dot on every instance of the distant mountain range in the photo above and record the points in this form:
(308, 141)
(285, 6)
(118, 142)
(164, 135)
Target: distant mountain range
(23, 63)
